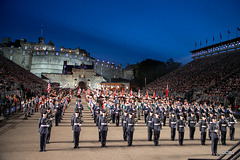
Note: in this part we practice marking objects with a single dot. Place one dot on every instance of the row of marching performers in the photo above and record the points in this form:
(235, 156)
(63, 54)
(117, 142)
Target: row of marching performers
(53, 107)
(164, 107)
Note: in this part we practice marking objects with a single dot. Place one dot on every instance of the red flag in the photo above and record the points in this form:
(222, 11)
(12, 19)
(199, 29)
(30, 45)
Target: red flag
(147, 94)
(154, 94)
(114, 93)
(167, 91)
(106, 91)
(49, 87)
(131, 93)
(79, 91)
(89, 91)
(122, 93)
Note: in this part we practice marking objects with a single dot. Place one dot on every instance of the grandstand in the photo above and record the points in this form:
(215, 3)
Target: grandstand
(15, 79)
(212, 77)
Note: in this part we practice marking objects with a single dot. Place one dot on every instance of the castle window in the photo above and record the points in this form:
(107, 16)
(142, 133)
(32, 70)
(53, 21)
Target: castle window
(66, 55)
(75, 56)
(81, 58)
(11, 57)
(88, 59)
(26, 47)
(37, 53)
(46, 52)
(106, 65)
(102, 64)
(57, 53)
(111, 66)
(116, 67)
(96, 63)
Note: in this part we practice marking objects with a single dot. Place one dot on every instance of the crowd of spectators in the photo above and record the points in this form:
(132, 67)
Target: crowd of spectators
(215, 77)
(16, 84)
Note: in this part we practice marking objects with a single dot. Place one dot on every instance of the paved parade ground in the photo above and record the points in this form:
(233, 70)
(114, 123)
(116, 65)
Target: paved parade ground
(19, 140)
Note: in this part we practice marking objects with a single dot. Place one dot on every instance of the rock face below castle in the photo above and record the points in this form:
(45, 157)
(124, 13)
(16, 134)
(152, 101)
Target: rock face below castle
(43, 60)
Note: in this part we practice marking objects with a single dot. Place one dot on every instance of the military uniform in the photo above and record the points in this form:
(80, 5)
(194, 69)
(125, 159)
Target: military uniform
(130, 130)
(214, 129)
(209, 123)
(76, 128)
(180, 128)
(124, 126)
(223, 128)
(149, 126)
(191, 125)
(172, 124)
(50, 118)
(203, 129)
(43, 131)
(232, 120)
(97, 123)
(157, 126)
(103, 123)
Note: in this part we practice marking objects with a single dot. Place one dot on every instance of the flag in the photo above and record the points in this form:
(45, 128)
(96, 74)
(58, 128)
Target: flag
(166, 92)
(220, 36)
(206, 41)
(106, 91)
(154, 94)
(114, 93)
(228, 32)
(49, 87)
(131, 93)
(139, 93)
(238, 29)
(195, 45)
(200, 43)
(213, 39)
(147, 94)
(79, 91)
(89, 91)
(122, 93)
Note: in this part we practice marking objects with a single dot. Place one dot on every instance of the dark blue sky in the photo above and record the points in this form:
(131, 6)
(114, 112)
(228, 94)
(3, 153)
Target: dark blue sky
(122, 31)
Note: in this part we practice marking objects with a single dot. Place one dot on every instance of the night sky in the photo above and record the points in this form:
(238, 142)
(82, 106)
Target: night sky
(122, 31)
